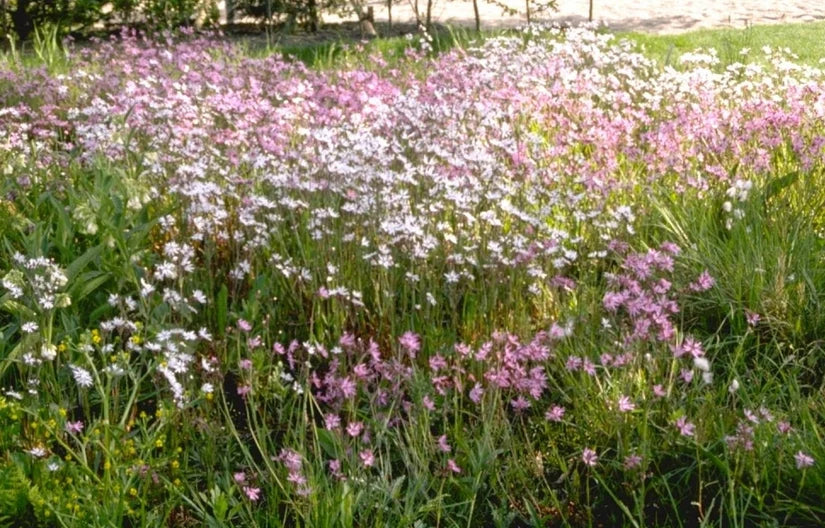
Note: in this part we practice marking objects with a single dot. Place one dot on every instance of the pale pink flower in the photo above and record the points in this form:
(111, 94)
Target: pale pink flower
(589, 457)
(554, 414)
(803, 460)
(632, 461)
(411, 342)
(685, 428)
(625, 404)
(252, 493)
(476, 393)
(367, 457)
(74, 427)
(354, 428)
(332, 421)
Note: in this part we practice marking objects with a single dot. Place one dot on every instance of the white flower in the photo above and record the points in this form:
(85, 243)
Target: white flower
(81, 376)
(702, 364)
(734, 386)
(48, 352)
(30, 327)
(36, 452)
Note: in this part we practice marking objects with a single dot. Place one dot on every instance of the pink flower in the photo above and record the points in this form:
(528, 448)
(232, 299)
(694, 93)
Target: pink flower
(347, 341)
(632, 461)
(244, 325)
(476, 393)
(520, 403)
(452, 466)
(685, 428)
(74, 427)
(803, 460)
(354, 428)
(428, 403)
(245, 364)
(410, 342)
(703, 283)
(443, 446)
(752, 318)
(573, 364)
(367, 458)
(243, 390)
(240, 477)
(670, 247)
(589, 457)
(625, 404)
(335, 469)
(659, 391)
(332, 421)
(437, 363)
(252, 493)
(554, 414)
(783, 427)
(693, 347)
(291, 459)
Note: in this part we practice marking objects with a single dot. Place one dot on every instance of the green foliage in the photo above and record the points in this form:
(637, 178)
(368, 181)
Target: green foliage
(23, 19)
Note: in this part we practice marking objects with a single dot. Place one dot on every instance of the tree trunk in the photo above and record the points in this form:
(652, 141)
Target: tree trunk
(313, 16)
(366, 19)
(527, 7)
(389, 14)
(429, 14)
(590, 12)
(477, 16)
(22, 21)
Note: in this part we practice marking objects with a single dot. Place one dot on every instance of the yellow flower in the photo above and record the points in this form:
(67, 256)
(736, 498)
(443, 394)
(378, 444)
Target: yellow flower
(133, 492)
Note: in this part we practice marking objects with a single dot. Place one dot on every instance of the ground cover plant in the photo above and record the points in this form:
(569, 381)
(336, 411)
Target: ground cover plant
(540, 281)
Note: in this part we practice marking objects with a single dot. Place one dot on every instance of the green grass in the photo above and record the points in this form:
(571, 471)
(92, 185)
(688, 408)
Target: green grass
(807, 41)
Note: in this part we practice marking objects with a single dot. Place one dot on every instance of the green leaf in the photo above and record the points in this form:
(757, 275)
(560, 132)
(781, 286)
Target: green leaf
(82, 261)
(221, 306)
(776, 185)
(88, 283)
(327, 443)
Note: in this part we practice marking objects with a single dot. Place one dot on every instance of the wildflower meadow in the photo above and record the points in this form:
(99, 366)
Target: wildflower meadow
(539, 280)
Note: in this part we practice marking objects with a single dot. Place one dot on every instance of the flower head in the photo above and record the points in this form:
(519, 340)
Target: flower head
(589, 457)
(803, 460)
